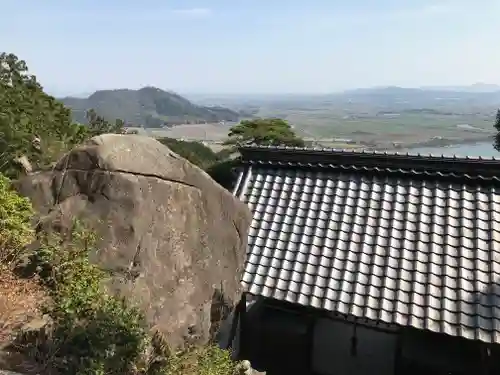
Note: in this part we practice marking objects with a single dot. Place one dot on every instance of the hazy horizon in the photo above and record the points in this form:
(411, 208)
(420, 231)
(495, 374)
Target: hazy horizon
(464, 88)
(258, 47)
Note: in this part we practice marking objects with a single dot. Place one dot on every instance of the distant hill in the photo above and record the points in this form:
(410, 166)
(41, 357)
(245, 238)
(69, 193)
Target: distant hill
(447, 92)
(149, 106)
(457, 99)
(398, 98)
(476, 87)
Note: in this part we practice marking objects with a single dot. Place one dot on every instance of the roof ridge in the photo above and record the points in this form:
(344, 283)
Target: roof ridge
(256, 147)
(306, 157)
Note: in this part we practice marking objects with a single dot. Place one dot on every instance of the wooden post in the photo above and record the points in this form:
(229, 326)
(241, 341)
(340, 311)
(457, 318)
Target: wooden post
(234, 325)
(397, 355)
(242, 305)
(485, 359)
(310, 344)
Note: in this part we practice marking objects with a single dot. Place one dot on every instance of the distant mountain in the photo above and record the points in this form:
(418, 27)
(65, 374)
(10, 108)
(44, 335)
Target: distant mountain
(383, 101)
(399, 97)
(149, 106)
(482, 95)
(476, 87)
(432, 91)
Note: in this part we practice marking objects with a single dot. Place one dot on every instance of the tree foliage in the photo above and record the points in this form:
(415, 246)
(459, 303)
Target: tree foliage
(32, 123)
(195, 152)
(264, 131)
(224, 173)
(35, 128)
(496, 140)
(98, 125)
(218, 165)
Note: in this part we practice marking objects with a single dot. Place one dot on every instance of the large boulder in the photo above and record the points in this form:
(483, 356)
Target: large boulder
(173, 239)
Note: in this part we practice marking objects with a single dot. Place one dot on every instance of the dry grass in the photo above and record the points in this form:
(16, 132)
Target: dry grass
(20, 302)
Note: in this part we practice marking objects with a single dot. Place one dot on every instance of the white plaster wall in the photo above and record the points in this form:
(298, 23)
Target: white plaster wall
(331, 350)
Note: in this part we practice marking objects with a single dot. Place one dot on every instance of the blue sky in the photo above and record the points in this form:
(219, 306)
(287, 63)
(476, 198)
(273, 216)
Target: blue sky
(253, 46)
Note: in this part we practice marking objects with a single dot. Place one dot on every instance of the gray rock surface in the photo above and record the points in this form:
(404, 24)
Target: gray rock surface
(173, 239)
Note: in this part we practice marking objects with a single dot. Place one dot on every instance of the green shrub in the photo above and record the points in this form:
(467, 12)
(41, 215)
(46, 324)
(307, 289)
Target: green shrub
(93, 332)
(216, 164)
(209, 360)
(223, 173)
(15, 222)
(195, 152)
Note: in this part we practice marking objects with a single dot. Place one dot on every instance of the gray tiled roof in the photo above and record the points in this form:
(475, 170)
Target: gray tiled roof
(359, 234)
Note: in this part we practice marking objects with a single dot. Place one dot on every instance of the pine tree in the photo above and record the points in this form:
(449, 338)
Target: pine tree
(264, 131)
(496, 142)
(33, 124)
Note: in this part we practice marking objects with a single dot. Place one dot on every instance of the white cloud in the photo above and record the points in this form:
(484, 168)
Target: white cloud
(193, 12)
(458, 8)
(433, 9)
(438, 8)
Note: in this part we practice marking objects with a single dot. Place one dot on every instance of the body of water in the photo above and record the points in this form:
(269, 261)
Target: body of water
(484, 149)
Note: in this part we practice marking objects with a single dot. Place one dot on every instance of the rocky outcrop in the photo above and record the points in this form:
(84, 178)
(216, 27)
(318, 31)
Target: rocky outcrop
(173, 240)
